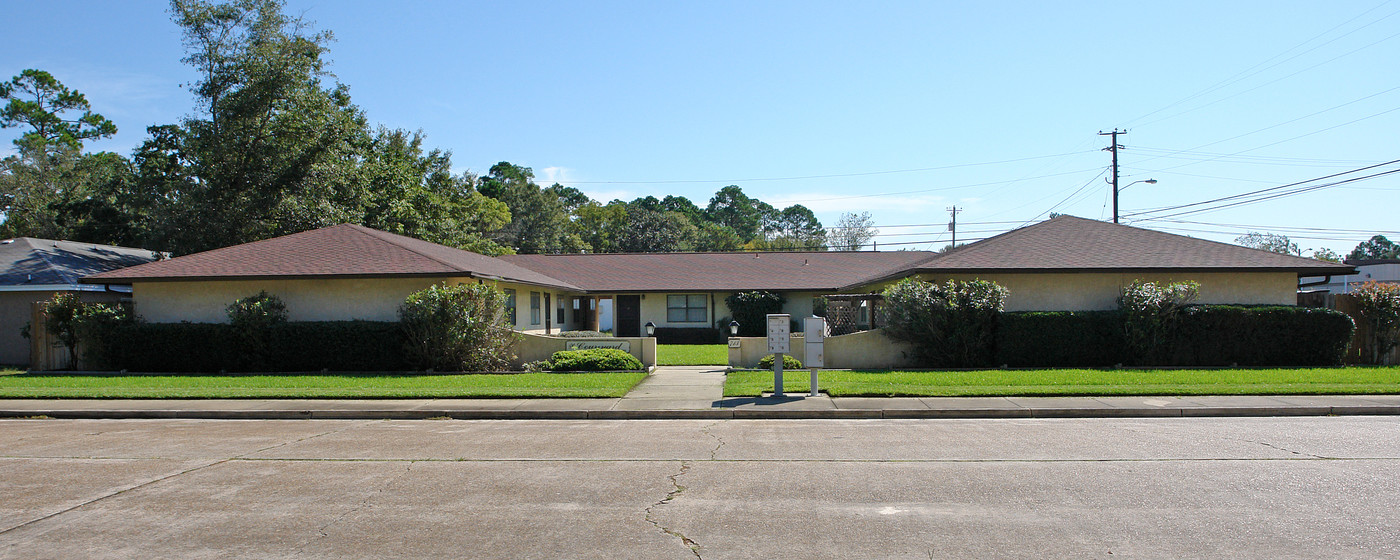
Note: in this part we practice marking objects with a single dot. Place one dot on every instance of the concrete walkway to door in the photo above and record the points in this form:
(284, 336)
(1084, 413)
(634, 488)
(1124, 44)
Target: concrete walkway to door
(676, 388)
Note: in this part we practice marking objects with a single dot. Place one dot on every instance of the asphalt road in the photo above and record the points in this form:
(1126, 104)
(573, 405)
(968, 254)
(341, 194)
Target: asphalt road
(1157, 488)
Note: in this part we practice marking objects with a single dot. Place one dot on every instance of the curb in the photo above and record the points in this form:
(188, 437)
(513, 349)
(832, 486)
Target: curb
(713, 414)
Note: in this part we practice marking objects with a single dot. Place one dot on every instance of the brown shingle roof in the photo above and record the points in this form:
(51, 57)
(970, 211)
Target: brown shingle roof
(343, 250)
(721, 272)
(1069, 243)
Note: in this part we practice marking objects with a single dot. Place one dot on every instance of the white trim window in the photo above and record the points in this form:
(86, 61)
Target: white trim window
(510, 305)
(686, 308)
(534, 308)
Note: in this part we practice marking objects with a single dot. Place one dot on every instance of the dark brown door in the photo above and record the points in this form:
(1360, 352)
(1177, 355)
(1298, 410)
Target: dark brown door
(629, 316)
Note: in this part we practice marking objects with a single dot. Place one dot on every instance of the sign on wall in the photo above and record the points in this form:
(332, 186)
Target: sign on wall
(778, 334)
(622, 345)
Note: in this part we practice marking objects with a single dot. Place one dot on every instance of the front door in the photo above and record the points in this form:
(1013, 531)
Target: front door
(629, 316)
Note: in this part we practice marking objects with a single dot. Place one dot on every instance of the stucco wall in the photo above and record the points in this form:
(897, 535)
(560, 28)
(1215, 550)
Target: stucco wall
(369, 299)
(1091, 291)
(799, 305)
(534, 348)
(862, 350)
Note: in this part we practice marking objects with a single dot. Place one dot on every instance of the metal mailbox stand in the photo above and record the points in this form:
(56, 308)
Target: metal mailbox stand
(816, 333)
(779, 340)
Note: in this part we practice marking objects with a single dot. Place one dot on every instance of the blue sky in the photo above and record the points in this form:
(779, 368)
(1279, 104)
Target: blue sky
(899, 109)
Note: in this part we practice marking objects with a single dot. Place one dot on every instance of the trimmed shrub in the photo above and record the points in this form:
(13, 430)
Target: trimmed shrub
(1222, 335)
(690, 335)
(338, 346)
(789, 362)
(458, 328)
(751, 310)
(1151, 317)
(1379, 305)
(252, 319)
(593, 359)
(949, 324)
(583, 334)
(1060, 339)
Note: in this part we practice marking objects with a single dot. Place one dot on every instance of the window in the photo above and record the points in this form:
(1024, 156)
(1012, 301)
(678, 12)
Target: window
(685, 308)
(510, 305)
(560, 316)
(534, 308)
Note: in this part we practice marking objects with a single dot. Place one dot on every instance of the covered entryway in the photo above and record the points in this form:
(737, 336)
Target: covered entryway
(628, 321)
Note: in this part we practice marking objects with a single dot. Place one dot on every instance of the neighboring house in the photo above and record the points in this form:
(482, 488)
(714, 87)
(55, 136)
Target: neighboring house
(352, 272)
(1379, 270)
(36, 269)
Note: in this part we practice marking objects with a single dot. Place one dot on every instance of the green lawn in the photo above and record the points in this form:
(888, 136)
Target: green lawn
(692, 354)
(24, 385)
(1084, 382)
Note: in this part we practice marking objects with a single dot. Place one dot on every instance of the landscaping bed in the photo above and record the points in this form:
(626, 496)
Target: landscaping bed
(1075, 382)
(692, 354)
(14, 384)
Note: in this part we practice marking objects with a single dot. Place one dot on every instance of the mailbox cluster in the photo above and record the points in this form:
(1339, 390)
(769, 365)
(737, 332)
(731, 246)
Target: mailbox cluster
(780, 344)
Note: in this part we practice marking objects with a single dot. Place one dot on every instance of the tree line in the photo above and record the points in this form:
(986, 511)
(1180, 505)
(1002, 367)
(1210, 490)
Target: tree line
(274, 145)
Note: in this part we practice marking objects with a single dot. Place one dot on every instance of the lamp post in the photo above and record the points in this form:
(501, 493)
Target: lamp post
(1116, 189)
(651, 329)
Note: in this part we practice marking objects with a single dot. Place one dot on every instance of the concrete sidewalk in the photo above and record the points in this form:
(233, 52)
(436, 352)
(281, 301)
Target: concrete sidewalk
(822, 407)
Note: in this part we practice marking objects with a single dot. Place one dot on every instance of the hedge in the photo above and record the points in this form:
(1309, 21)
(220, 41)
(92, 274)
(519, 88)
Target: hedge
(1222, 335)
(1208, 335)
(212, 347)
(789, 362)
(1060, 339)
(594, 359)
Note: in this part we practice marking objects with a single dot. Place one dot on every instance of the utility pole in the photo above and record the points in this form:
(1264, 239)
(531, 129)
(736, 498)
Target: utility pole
(953, 225)
(1114, 146)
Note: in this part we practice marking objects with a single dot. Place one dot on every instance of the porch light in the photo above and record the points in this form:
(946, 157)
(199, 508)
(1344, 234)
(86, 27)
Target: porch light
(651, 329)
(733, 328)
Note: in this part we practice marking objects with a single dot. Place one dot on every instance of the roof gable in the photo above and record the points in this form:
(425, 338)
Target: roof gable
(336, 251)
(37, 262)
(1069, 243)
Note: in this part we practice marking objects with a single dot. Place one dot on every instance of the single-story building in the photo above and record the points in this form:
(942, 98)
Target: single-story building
(1385, 271)
(353, 272)
(33, 270)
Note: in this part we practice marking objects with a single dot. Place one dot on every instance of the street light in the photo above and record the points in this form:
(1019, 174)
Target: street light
(733, 328)
(1116, 188)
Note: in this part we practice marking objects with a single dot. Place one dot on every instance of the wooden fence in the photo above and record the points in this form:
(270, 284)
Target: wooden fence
(1360, 351)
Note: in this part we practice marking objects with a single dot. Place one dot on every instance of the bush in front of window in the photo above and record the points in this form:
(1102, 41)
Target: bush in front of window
(593, 359)
(584, 334)
(751, 310)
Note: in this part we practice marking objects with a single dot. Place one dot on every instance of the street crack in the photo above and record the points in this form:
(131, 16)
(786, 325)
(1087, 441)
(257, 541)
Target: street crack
(706, 431)
(1272, 446)
(363, 505)
(676, 490)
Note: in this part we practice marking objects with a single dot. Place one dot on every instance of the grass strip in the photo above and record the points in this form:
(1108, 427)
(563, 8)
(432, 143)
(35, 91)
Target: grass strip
(1076, 382)
(330, 386)
(692, 354)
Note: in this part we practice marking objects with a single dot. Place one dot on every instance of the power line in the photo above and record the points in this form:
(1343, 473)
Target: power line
(1251, 193)
(1253, 227)
(936, 189)
(1257, 199)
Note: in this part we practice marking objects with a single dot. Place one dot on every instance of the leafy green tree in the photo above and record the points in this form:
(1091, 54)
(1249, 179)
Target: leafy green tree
(37, 100)
(538, 221)
(652, 231)
(751, 310)
(1325, 254)
(49, 188)
(732, 208)
(852, 231)
(684, 206)
(1271, 242)
(796, 228)
(272, 148)
(1377, 247)
(710, 236)
(413, 193)
(599, 226)
(570, 197)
